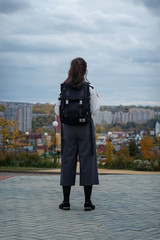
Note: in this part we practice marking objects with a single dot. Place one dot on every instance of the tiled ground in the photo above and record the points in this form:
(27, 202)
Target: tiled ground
(2, 178)
(127, 207)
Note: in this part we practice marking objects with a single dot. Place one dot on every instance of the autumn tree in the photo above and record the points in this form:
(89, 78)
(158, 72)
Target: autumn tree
(96, 136)
(100, 129)
(55, 139)
(17, 139)
(5, 127)
(124, 151)
(146, 145)
(133, 148)
(123, 158)
(40, 130)
(116, 129)
(2, 108)
(109, 152)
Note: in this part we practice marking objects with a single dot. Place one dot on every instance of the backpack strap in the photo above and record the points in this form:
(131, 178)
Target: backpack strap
(60, 95)
(91, 86)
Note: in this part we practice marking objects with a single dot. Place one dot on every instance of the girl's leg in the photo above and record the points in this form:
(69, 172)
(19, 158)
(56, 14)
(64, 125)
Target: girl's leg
(66, 193)
(88, 192)
(65, 205)
(88, 206)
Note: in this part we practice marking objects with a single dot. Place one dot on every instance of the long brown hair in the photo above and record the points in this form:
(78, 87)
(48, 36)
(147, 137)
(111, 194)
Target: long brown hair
(76, 74)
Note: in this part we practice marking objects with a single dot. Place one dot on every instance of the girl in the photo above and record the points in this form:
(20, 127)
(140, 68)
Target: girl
(79, 140)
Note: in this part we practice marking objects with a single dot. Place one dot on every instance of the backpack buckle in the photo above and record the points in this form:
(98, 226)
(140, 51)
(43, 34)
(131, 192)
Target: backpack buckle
(82, 120)
(80, 102)
(67, 101)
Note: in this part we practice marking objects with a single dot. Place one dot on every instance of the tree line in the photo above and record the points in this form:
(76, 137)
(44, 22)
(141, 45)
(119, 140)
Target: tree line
(128, 127)
(122, 108)
(143, 155)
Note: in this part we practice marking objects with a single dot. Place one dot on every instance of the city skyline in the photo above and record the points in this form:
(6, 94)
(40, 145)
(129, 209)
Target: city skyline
(5, 103)
(118, 39)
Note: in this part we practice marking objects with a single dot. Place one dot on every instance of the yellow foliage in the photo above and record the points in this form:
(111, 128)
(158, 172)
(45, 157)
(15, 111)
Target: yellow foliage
(96, 136)
(2, 108)
(17, 140)
(58, 139)
(100, 129)
(147, 145)
(43, 108)
(116, 129)
(109, 152)
(40, 130)
(124, 151)
(5, 127)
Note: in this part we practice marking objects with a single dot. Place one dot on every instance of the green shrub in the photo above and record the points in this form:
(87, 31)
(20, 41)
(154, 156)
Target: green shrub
(2, 159)
(142, 165)
(118, 161)
(156, 166)
(30, 160)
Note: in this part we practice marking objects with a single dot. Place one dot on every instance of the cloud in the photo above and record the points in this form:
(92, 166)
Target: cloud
(118, 39)
(151, 5)
(11, 6)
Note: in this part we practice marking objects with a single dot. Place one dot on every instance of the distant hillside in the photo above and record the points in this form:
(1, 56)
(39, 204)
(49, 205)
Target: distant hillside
(41, 122)
(46, 108)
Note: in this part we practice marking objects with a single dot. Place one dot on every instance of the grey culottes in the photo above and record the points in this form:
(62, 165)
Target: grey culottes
(79, 141)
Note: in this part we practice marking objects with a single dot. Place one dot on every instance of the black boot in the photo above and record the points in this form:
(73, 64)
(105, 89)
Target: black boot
(88, 206)
(65, 205)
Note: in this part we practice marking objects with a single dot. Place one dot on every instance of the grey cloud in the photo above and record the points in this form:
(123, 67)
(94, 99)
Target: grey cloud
(11, 6)
(152, 5)
(65, 20)
(117, 38)
(48, 44)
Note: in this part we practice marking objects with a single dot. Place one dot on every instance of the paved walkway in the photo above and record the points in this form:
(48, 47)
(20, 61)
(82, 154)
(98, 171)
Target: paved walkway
(127, 208)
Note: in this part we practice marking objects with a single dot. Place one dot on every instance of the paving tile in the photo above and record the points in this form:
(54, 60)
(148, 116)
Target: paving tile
(127, 207)
(2, 178)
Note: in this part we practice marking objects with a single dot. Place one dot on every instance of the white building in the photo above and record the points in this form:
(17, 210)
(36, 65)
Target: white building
(103, 117)
(21, 113)
(140, 115)
(157, 128)
(137, 115)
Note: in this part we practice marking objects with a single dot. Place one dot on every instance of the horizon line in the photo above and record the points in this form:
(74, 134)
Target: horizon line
(101, 105)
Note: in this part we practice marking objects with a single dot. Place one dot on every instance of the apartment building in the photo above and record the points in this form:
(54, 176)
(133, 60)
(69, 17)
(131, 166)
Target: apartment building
(137, 115)
(21, 113)
(103, 117)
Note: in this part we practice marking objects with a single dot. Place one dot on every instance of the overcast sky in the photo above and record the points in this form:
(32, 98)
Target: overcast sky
(120, 40)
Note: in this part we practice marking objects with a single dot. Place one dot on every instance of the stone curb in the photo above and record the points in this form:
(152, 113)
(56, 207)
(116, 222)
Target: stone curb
(100, 172)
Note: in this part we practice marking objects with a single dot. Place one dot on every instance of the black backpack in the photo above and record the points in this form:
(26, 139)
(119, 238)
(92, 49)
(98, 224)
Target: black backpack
(75, 104)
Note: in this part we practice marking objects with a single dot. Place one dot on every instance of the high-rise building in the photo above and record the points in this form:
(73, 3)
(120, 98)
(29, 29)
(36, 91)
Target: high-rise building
(22, 114)
(141, 115)
(103, 117)
(137, 115)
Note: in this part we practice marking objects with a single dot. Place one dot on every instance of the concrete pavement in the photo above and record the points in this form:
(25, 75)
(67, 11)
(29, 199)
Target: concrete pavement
(127, 208)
